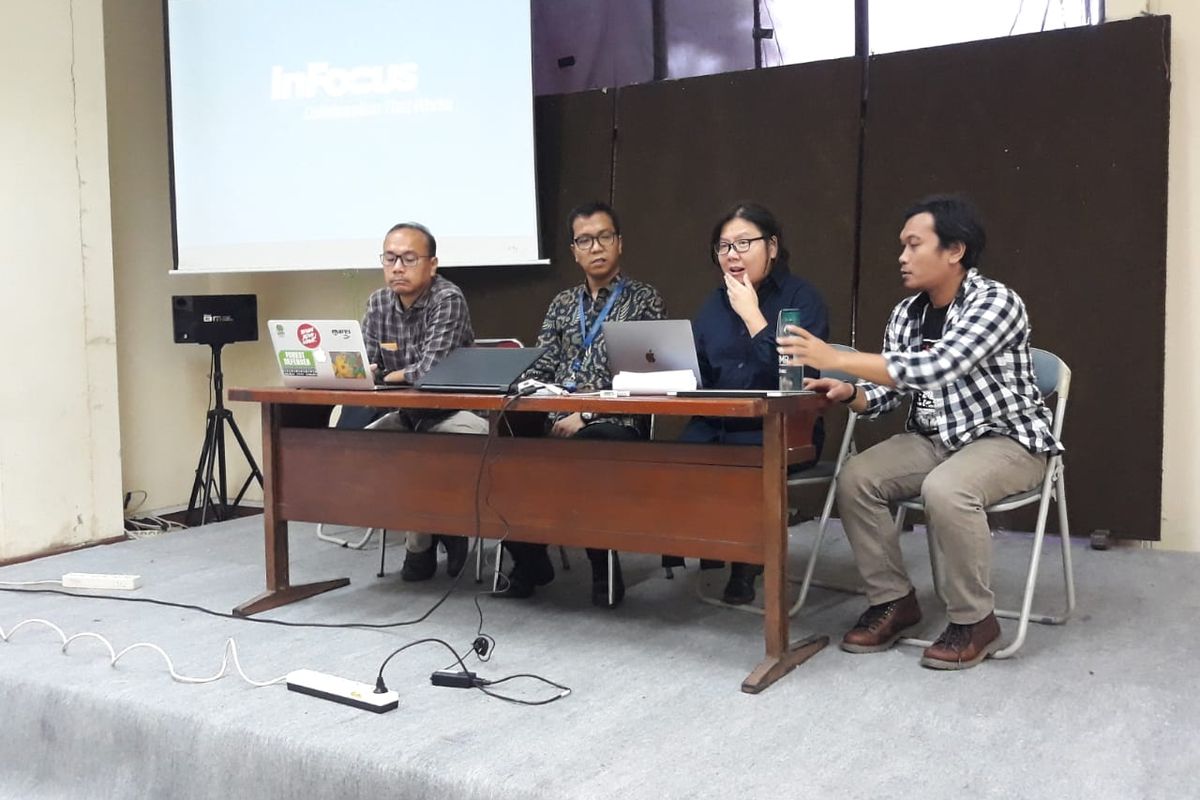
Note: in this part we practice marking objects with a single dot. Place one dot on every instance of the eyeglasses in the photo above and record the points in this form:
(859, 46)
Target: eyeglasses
(586, 241)
(407, 259)
(741, 245)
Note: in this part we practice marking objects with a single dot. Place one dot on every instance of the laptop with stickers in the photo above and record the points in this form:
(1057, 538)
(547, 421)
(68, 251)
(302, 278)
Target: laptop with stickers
(322, 354)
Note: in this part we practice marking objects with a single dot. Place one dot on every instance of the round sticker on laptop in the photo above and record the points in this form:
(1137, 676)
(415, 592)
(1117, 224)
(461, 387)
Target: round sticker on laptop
(308, 335)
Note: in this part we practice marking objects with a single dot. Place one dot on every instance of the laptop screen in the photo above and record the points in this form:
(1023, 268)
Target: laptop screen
(651, 346)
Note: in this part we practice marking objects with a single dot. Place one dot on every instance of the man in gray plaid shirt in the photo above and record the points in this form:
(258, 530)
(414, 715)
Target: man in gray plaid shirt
(410, 325)
(977, 431)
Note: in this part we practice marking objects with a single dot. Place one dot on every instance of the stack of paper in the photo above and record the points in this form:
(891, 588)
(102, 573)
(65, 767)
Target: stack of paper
(673, 380)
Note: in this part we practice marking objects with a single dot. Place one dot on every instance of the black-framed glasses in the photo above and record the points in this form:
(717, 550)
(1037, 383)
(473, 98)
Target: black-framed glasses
(407, 259)
(586, 241)
(740, 245)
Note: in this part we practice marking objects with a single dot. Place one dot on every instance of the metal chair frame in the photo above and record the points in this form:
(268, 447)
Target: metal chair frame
(821, 472)
(1053, 376)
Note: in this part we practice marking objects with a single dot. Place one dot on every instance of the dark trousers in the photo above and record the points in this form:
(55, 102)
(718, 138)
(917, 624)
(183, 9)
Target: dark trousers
(524, 552)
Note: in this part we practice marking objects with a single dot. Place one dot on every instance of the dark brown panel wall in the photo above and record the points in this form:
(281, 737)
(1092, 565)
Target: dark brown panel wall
(687, 150)
(1061, 139)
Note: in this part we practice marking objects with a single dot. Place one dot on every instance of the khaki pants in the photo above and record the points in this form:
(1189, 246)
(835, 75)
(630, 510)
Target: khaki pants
(955, 487)
(458, 422)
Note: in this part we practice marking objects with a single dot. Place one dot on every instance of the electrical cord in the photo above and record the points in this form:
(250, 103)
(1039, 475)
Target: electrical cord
(483, 646)
(230, 654)
(482, 684)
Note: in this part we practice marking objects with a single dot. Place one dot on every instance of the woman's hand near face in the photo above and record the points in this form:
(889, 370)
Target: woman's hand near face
(744, 301)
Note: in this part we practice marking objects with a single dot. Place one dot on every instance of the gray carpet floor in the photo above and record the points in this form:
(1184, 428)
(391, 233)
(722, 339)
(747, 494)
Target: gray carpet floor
(1104, 707)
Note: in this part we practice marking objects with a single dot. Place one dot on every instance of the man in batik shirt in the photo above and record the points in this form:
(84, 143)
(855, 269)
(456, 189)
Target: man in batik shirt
(576, 358)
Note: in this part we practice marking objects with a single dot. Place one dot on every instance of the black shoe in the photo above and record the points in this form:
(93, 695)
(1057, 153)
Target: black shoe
(708, 563)
(532, 570)
(535, 567)
(419, 566)
(517, 589)
(456, 554)
(669, 562)
(600, 582)
(740, 588)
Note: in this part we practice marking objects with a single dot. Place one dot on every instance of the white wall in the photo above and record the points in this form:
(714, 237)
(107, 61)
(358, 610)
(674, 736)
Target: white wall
(59, 443)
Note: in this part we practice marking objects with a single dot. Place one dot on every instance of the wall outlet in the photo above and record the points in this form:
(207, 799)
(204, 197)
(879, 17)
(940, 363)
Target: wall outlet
(87, 580)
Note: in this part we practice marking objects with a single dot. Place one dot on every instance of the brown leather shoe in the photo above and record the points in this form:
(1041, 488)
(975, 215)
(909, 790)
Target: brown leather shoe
(880, 626)
(963, 646)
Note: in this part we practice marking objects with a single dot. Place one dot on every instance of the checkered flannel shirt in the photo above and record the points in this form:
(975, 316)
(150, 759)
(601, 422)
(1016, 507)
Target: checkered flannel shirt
(416, 338)
(980, 374)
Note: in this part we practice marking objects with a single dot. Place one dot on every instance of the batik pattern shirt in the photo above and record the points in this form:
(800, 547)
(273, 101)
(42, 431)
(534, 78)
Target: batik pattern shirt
(563, 340)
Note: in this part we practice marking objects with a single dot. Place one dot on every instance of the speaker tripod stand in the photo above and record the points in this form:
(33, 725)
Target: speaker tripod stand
(211, 496)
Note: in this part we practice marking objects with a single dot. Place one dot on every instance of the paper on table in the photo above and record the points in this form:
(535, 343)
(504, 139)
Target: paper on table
(672, 380)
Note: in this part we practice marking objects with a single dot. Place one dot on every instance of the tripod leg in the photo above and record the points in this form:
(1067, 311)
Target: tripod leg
(200, 472)
(255, 474)
(208, 472)
(222, 491)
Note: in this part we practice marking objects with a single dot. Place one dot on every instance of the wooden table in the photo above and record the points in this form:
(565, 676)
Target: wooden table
(698, 500)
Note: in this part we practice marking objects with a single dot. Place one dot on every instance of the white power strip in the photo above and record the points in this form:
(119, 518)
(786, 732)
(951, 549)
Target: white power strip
(86, 580)
(341, 690)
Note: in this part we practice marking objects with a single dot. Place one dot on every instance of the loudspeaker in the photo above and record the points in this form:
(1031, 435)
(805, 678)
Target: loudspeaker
(215, 318)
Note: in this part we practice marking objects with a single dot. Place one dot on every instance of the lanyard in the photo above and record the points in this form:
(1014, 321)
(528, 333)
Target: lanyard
(589, 335)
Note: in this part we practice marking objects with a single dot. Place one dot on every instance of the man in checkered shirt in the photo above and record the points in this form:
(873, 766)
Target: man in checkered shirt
(411, 324)
(977, 431)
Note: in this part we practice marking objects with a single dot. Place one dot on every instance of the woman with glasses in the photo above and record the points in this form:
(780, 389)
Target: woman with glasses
(735, 338)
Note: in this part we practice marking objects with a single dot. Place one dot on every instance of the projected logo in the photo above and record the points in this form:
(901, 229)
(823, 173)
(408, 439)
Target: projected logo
(309, 336)
(321, 79)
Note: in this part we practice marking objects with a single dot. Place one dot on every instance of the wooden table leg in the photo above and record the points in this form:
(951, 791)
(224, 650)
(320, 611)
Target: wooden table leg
(279, 592)
(781, 657)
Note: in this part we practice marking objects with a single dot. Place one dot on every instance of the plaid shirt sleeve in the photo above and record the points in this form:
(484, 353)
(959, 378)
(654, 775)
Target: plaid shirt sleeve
(882, 399)
(447, 323)
(989, 322)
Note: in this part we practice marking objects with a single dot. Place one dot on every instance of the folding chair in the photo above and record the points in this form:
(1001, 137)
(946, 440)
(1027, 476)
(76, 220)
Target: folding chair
(1053, 377)
(359, 545)
(821, 472)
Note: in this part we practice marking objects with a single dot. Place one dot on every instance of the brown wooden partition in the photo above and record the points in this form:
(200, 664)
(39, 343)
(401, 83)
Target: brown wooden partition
(1061, 139)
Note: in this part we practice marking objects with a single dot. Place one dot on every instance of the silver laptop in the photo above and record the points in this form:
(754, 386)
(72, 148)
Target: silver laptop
(322, 354)
(651, 346)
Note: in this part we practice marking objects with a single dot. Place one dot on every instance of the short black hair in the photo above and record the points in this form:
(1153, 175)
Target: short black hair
(416, 226)
(759, 216)
(588, 209)
(955, 220)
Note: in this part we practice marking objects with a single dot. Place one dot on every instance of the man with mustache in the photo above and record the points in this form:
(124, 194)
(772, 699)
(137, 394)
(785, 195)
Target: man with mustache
(576, 358)
(977, 431)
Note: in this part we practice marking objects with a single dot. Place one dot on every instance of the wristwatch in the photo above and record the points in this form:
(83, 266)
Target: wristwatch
(587, 416)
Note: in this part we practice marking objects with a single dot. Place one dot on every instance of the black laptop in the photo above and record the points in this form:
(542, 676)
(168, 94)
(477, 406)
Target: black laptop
(480, 370)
